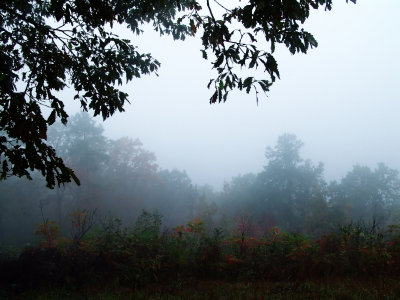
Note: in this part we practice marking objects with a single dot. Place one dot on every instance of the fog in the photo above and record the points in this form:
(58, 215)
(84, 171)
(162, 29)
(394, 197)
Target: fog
(300, 188)
(340, 99)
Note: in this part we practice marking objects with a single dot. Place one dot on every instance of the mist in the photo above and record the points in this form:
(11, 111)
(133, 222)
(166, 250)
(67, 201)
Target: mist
(299, 186)
(340, 99)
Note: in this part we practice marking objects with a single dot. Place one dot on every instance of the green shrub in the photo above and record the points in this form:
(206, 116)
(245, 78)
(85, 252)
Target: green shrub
(112, 254)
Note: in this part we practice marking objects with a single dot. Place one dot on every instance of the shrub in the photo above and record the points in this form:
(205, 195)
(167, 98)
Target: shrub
(113, 254)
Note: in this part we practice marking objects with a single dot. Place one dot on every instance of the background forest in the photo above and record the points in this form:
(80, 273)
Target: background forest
(120, 178)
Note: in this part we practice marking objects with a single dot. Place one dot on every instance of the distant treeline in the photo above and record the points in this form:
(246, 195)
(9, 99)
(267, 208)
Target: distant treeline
(120, 178)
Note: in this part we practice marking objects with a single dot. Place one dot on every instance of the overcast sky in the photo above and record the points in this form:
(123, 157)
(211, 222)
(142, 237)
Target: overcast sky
(341, 99)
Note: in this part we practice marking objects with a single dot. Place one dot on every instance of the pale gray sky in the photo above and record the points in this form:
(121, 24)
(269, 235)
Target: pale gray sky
(341, 100)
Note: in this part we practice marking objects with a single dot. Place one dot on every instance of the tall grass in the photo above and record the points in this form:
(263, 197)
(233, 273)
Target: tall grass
(110, 259)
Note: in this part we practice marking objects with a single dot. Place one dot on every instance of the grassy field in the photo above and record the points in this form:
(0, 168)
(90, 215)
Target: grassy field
(188, 262)
(349, 288)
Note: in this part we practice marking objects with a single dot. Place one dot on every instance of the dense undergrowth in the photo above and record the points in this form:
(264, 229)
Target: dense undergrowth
(379, 288)
(110, 255)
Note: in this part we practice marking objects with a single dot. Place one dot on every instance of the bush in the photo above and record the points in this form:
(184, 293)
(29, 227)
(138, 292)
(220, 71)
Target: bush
(110, 254)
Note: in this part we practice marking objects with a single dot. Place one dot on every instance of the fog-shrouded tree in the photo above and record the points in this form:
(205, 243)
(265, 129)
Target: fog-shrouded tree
(130, 178)
(48, 46)
(127, 156)
(238, 194)
(83, 146)
(25, 203)
(178, 196)
(288, 185)
(21, 202)
(119, 177)
(289, 192)
(206, 210)
(370, 196)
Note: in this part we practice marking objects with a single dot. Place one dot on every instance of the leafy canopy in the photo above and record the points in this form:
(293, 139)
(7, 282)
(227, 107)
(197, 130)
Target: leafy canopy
(49, 45)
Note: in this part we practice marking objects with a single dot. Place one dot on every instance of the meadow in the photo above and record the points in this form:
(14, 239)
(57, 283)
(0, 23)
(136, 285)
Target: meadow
(108, 260)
